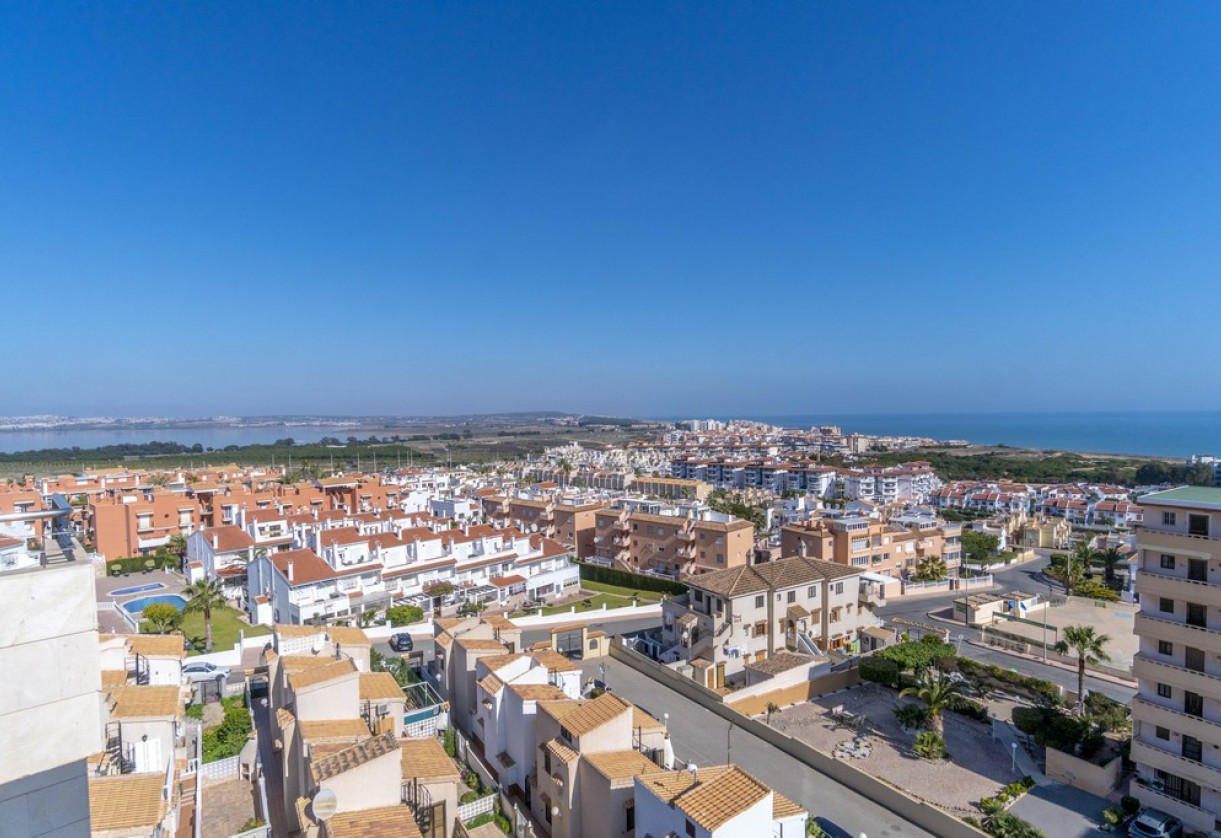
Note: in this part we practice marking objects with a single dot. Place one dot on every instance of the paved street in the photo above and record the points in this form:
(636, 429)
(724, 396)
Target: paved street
(1024, 577)
(703, 738)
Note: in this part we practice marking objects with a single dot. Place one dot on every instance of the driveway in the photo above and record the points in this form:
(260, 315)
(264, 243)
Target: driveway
(704, 738)
(1062, 811)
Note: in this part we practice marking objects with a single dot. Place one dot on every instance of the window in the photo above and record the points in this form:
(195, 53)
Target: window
(1197, 570)
(1193, 749)
(1162, 733)
(1164, 691)
(629, 818)
(1167, 519)
(1165, 605)
(1165, 647)
(546, 760)
(839, 587)
(759, 601)
(1197, 615)
(1197, 525)
(792, 596)
(690, 829)
(811, 592)
(1167, 562)
(1193, 704)
(566, 734)
(720, 558)
(761, 628)
(699, 596)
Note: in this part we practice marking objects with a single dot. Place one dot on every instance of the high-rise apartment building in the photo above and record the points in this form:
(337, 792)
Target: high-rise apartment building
(1176, 740)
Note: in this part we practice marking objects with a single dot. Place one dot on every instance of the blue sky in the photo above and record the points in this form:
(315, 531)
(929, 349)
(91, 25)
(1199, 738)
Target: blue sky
(654, 209)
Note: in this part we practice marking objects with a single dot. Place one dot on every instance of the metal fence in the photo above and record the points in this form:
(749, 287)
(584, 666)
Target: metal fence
(222, 768)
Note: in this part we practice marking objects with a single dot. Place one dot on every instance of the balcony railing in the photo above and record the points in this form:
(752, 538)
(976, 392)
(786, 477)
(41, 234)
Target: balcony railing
(1142, 658)
(1171, 577)
(1187, 718)
(1185, 767)
(1204, 631)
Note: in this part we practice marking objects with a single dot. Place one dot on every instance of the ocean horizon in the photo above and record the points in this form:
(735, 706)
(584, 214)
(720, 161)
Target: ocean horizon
(1140, 433)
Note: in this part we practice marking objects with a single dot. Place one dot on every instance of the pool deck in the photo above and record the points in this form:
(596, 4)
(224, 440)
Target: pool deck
(136, 590)
(109, 621)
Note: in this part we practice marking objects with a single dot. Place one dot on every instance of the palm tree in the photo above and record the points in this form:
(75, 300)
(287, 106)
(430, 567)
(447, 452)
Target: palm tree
(938, 693)
(177, 545)
(1111, 558)
(1089, 649)
(203, 595)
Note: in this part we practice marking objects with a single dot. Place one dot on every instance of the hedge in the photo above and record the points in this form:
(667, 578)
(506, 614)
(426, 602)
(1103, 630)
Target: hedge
(164, 561)
(632, 581)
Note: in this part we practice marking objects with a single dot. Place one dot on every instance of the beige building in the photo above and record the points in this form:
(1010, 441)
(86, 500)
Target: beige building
(872, 546)
(743, 615)
(1176, 738)
(677, 541)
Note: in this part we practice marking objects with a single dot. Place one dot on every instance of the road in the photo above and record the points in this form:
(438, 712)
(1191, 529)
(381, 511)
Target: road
(1024, 577)
(704, 738)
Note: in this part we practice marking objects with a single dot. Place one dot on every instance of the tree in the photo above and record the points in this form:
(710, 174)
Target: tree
(1111, 559)
(930, 569)
(202, 596)
(937, 692)
(404, 615)
(178, 545)
(161, 617)
(1089, 648)
(977, 547)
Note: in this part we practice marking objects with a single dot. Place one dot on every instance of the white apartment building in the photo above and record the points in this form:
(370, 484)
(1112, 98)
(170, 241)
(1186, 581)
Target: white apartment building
(1176, 737)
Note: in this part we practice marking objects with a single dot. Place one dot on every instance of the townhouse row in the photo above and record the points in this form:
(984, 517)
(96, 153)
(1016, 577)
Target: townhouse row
(586, 763)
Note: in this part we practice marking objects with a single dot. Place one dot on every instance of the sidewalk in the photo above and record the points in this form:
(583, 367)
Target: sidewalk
(1035, 658)
(1006, 734)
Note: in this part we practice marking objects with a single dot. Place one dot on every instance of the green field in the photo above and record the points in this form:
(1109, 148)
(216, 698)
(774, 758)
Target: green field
(227, 624)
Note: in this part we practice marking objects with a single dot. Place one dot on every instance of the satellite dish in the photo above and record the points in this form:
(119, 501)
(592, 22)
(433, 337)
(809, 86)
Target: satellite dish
(324, 805)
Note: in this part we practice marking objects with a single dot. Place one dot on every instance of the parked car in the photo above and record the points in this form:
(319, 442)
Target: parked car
(1152, 823)
(204, 671)
(401, 642)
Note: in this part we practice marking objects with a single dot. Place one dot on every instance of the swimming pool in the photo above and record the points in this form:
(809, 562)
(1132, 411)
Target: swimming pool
(135, 606)
(137, 589)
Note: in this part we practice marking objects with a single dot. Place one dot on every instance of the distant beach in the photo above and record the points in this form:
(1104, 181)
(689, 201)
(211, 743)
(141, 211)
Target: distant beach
(1151, 433)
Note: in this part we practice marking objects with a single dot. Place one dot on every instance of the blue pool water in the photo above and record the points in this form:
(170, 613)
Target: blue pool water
(138, 605)
(137, 589)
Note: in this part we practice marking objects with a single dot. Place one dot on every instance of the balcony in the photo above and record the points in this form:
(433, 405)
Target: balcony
(1146, 668)
(1160, 583)
(1193, 816)
(1176, 631)
(1180, 542)
(1198, 772)
(1148, 711)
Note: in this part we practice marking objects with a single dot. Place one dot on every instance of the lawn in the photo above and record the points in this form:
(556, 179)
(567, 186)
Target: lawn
(600, 587)
(226, 624)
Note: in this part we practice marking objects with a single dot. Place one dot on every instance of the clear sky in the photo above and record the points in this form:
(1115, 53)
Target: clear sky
(649, 209)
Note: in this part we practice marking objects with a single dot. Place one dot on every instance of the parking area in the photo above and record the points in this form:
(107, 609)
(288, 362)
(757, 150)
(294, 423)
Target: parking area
(1116, 620)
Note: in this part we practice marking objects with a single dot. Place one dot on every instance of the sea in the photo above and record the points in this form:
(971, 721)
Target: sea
(1151, 433)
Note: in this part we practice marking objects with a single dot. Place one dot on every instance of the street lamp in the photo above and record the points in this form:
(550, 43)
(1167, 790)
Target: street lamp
(1013, 763)
(960, 636)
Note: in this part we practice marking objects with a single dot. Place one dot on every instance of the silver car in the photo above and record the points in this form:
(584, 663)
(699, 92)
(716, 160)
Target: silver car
(204, 671)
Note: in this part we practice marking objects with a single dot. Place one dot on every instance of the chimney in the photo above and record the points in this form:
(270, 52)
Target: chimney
(215, 541)
(290, 570)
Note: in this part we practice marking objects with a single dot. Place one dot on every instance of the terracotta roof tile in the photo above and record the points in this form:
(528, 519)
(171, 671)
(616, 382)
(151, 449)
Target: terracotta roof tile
(379, 686)
(145, 702)
(321, 674)
(385, 822)
(355, 729)
(354, 756)
(126, 801)
(425, 757)
(158, 645)
(711, 797)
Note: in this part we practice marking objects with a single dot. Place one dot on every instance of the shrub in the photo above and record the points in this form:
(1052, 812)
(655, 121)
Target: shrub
(916, 655)
(1008, 825)
(1030, 720)
(929, 745)
(1111, 816)
(469, 796)
(912, 716)
(879, 671)
(990, 805)
(229, 736)
(1028, 783)
(1015, 790)
(971, 709)
(447, 742)
(404, 615)
(1130, 804)
(472, 780)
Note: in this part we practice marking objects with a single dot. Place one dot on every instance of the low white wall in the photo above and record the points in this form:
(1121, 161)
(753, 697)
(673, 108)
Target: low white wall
(598, 615)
